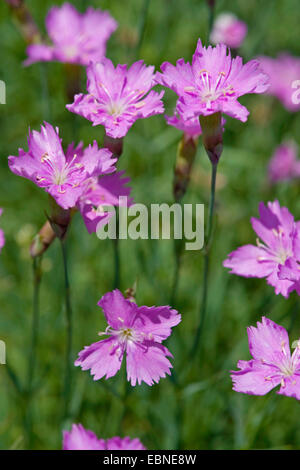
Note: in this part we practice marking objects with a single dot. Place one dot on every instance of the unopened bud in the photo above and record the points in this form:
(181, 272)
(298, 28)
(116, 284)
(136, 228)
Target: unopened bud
(212, 134)
(114, 145)
(25, 20)
(186, 152)
(56, 226)
(130, 293)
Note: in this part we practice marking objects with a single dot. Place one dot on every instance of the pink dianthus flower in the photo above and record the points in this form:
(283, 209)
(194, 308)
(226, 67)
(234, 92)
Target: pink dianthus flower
(136, 331)
(80, 438)
(212, 83)
(272, 362)
(275, 256)
(78, 38)
(118, 96)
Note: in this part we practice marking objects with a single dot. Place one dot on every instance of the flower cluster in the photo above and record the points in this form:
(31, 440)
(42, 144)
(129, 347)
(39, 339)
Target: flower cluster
(80, 438)
(77, 38)
(136, 331)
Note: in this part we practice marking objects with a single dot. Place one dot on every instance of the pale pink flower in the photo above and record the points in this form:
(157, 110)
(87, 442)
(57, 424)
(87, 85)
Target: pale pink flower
(135, 331)
(284, 75)
(80, 438)
(78, 38)
(280, 244)
(229, 30)
(284, 164)
(272, 362)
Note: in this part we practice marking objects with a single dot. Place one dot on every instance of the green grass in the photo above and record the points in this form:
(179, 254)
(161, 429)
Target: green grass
(204, 413)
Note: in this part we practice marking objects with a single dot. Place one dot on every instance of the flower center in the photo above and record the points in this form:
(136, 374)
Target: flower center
(211, 90)
(115, 109)
(287, 368)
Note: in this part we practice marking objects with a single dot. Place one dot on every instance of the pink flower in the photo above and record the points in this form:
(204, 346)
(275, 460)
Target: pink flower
(191, 128)
(228, 30)
(138, 331)
(2, 237)
(117, 97)
(212, 83)
(284, 165)
(283, 72)
(80, 438)
(272, 362)
(77, 38)
(101, 192)
(61, 175)
(280, 244)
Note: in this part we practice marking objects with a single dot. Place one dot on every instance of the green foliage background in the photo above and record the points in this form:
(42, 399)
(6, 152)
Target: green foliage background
(204, 413)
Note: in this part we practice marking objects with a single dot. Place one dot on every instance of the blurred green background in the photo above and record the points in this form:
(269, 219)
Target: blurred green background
(203, 413)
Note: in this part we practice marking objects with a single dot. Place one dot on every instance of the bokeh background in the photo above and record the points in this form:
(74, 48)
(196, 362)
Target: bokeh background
(203, 412)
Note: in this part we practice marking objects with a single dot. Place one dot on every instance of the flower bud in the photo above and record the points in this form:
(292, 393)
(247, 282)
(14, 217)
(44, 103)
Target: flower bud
(212, 134)
(56, 226)
(186, 153)
(114, 145)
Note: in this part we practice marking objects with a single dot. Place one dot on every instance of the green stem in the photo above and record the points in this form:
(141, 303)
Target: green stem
(211, 8)
(177, 261)
(203, 304)
(32, 353)
(142, 25)
(68, 364)
(35, 321)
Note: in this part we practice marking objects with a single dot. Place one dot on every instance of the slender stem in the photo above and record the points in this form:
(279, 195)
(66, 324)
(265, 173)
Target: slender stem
(35, 321)
(203, 304)
(177, 262)
(117, 253)
(142, 25)
(211, 19)
(32, 353)
(68, 364)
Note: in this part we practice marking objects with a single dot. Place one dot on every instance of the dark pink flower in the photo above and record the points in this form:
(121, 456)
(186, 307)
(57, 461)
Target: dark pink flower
(136, 331)
(78, 38)
(229, 30)
(272, 362)
(283, 72)
(212, 83)
(117, 97)
(80, 438)
(280, 244)
(284, 165)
